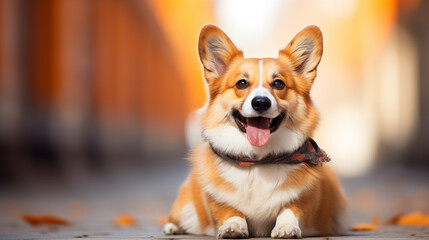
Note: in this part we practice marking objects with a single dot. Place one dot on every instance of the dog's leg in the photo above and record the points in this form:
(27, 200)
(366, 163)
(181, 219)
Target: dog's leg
(231, 223)
(189, 214)
(183, 199)
(172, 226)
(287, 225)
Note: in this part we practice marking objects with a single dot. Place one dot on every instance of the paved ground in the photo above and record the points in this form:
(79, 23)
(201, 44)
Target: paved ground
(141, 233)
(91, 205)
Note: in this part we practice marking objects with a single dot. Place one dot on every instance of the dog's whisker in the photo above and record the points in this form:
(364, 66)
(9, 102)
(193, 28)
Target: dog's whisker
(224, 119)
(291, 118)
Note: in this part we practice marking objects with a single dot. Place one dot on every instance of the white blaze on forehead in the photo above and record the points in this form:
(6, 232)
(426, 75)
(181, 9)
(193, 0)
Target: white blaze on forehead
(260, 91)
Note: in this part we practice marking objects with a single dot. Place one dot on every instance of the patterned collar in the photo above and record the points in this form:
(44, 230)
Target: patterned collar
(309, 152)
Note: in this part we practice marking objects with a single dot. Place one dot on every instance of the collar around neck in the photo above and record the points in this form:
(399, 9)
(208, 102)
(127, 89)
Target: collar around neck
(309, 152)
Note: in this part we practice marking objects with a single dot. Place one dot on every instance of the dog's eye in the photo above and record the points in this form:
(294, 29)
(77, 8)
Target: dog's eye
(278, 84)
(242, 84)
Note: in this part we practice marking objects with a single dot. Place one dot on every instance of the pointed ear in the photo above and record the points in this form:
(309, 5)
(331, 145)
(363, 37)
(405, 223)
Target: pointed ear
(216, 51)
(305, 51)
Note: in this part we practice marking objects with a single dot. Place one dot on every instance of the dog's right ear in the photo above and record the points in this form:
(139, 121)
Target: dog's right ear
(216, 51)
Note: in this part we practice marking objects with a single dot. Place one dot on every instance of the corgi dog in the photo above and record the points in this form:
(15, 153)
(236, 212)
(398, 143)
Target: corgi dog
(258, 173)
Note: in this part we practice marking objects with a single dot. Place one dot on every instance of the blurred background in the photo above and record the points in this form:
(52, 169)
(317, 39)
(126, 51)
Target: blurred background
(103, 89)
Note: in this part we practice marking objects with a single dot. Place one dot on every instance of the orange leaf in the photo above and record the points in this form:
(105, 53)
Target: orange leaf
(414, 219)
(125, 220)
(44, 220)
(364, 227)
(393, 220)
(367, 226)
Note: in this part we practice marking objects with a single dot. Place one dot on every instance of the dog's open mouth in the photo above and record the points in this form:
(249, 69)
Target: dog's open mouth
(258, 129)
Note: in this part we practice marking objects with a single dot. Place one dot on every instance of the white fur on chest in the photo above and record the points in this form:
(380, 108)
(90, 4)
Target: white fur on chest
(259, 195)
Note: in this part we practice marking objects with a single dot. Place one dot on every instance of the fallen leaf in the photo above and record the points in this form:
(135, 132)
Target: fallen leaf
(374, 225)
(125, 220)
(393, 220)
(414, 219)
(162, 221)
(361, 227)
(37, 220)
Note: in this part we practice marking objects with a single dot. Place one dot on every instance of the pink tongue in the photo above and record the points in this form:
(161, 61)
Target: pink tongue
(258, 131)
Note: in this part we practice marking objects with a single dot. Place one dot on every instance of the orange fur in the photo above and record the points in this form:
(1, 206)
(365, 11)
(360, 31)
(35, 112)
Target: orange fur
(316, 205)
(215, 189)
(222, 212)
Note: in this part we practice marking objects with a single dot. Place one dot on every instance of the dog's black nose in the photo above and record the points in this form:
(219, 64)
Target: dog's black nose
(261, 104)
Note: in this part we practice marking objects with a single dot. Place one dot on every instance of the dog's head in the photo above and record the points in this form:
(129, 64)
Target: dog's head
(259, 106)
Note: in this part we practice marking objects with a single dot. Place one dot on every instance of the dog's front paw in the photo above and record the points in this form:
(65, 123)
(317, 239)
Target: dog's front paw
(171, 228)
(286, 231)
(287, 225)
(234, 227)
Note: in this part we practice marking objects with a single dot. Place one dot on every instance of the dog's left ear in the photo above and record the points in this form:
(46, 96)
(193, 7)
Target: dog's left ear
(304, 52)
(216, 51)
